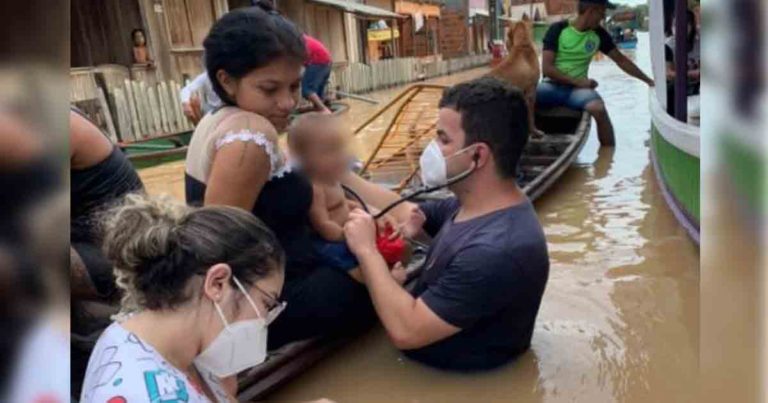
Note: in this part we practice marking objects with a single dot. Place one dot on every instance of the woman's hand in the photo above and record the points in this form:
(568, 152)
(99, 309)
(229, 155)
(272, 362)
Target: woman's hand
(360, 232)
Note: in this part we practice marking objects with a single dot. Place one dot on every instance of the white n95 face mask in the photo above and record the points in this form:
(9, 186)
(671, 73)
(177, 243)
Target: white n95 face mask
(433, 165)
(239, 346)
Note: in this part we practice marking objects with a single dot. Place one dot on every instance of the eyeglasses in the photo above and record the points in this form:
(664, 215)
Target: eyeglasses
(275, 305)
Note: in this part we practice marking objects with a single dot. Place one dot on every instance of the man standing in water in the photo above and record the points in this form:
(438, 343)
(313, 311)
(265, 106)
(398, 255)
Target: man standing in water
(569, 47)
(475, 304)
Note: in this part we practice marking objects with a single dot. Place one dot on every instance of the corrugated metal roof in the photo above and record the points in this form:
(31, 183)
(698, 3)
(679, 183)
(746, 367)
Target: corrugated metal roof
(358, 8)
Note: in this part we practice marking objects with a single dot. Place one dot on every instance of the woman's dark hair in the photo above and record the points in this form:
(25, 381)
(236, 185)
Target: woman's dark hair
(249, 38)
(495, 113)
(157, 245)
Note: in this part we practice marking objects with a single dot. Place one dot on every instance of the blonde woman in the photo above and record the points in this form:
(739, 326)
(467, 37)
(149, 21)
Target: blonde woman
(200, 286)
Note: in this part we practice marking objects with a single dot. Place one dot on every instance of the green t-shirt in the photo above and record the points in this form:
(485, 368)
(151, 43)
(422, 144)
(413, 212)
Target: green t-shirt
(574, 49)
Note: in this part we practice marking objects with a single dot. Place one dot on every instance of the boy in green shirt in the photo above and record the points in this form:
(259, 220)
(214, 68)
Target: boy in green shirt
(569, 47)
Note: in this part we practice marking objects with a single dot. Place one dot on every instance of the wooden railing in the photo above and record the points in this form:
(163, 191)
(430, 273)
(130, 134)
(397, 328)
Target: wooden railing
(128, 110)
(359, 77)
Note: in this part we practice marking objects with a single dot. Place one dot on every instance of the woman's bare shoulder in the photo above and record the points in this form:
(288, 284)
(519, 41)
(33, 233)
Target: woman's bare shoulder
(242, 121)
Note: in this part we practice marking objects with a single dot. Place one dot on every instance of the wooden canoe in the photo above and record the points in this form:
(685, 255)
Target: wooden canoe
(414, 113)
(173, 147)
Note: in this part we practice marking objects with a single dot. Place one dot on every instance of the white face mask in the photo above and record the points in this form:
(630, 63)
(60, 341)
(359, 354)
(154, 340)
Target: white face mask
(433, 166)
(240, 345)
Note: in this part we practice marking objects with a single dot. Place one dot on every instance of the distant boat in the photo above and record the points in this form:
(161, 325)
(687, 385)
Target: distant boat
(624, 38)
(627, 44)
(622, 27)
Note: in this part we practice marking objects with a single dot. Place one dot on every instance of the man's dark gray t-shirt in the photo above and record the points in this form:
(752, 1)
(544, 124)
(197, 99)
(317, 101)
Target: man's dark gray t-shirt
(486, 276)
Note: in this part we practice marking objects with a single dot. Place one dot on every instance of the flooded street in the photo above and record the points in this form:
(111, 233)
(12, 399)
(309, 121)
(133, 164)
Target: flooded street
(619, 318)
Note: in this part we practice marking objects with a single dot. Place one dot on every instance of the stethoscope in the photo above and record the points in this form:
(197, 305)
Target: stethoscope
(422, 190)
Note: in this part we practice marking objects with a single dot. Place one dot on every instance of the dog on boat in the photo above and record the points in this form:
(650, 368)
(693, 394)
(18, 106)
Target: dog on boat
(521, 66)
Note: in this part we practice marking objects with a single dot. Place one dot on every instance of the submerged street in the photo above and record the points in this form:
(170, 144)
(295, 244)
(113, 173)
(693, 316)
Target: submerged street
(619, 318)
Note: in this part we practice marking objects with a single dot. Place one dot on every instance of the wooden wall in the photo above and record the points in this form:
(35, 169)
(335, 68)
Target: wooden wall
(424, 42)
(100, 31)
(454, 33)
(327, 25)
(187, 23)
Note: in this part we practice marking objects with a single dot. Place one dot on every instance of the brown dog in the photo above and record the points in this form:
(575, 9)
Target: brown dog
(521, 66)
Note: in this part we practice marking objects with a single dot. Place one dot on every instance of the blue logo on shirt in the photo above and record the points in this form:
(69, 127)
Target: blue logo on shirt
(589, 46)
(164, 387)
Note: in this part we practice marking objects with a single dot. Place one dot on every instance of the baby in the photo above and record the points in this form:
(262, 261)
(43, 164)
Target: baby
(318, 146)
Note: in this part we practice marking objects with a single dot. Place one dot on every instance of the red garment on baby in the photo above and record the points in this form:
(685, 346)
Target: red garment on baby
(392, 250)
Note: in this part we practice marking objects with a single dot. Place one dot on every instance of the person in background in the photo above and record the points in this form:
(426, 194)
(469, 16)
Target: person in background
(191, 103)
(569, 47)
(475, 305)
(316, 73)
(693, 58)
(100, 175)
(140, 50)
(45, 348)
(200, 287)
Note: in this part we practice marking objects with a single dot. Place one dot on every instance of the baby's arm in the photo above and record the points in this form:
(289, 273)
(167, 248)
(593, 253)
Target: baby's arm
(321, 220)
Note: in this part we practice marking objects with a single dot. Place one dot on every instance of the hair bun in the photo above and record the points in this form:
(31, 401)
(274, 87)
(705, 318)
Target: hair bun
(137, 234)
(139, 229)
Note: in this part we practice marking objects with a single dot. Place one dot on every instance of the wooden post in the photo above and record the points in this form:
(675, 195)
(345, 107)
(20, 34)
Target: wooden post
(107, 114)
(138, 95)
(133, 109)
(681, 60)
(493, 13)
(154, 107)
(123, 116)
(162, 93)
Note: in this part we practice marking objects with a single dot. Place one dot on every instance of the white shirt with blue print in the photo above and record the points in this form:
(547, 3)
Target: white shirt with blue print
(122, 368)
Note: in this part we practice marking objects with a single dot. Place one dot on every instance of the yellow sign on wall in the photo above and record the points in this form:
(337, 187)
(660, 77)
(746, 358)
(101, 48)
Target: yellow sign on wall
(382, 34)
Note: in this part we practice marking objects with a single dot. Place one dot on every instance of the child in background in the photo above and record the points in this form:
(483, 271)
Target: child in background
(318, 146)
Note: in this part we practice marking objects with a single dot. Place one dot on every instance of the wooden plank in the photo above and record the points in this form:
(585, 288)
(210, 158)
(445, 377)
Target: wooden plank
(162, 98)
(154, 108)
(175, 12)
(123, 116)
(107, 114)
(181, 120)
(138, 97)
(170, 108)
(145, 113)
(200, 14)
(136, 127)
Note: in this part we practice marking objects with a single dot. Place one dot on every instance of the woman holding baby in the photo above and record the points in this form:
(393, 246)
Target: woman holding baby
(254, 59)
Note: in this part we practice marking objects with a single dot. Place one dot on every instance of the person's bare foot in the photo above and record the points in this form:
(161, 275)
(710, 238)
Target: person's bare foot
(536, 133)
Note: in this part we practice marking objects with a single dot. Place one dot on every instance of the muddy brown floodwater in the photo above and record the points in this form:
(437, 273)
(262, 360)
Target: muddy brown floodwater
(619, 318)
